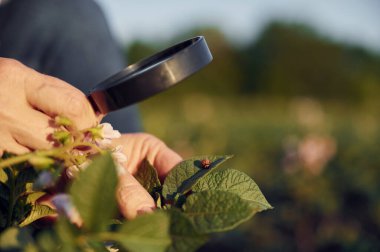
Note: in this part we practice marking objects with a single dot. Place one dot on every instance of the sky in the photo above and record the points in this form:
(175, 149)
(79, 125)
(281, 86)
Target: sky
(352, 21)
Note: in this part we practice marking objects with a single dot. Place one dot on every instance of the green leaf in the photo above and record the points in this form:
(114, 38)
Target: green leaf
(37, 212)
(31, 198)
(147, 233)
(30, 248)
(23, 178)
(9, 239)
(147, 177)
(20, 211)
(157, 199)
(47, 241)
(115, 222)
(237, 182)
(216, 211)
(9, 173)
(67, 235)
(29, 187)
(184, 175)
(3, 176)
(93, 193)
(97, 246)
(3, 219)
(4, 192)
(184, 236)
(14, 239)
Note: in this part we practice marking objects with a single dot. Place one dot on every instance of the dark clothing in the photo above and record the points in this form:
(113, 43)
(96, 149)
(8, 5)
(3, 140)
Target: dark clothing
(68, 39)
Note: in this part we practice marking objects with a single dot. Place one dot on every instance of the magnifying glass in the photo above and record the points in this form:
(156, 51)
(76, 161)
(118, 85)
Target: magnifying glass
(151, 75)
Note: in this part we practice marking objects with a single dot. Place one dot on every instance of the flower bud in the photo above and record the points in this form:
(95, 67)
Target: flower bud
(61, 136)
(44, 180)
(41, 162)
(62, 121)
(96, 132)
(65, 207)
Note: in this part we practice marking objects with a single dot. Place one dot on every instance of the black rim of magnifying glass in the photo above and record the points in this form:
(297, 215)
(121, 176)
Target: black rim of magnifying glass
(150, 76)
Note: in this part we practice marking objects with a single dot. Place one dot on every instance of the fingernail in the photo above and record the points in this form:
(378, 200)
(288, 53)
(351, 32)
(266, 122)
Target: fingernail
(145, 210)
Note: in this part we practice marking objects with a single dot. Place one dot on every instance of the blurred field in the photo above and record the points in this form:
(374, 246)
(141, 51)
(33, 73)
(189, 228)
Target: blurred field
(301, 115)
(317, 163)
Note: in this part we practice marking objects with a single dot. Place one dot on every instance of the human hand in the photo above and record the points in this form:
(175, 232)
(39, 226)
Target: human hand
(28, 103)
(132, 197)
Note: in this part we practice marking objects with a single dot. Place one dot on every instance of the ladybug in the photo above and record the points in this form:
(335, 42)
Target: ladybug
(205, 163)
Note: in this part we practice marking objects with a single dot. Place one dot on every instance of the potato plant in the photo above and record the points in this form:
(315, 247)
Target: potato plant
(197, 198)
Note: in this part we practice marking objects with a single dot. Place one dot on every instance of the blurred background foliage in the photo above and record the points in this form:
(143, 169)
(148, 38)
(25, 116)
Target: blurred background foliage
(300, 112)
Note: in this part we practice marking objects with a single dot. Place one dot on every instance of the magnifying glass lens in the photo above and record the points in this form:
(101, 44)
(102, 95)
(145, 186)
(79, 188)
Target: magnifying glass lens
(151, 75)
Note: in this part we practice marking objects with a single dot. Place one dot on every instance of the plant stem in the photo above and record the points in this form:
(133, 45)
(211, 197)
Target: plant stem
(15, 160)
(11, 200)
(25, 157)
(94, 146)
(56, 153)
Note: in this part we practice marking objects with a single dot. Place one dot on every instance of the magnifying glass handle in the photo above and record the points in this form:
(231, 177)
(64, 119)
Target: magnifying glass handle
(94, 106)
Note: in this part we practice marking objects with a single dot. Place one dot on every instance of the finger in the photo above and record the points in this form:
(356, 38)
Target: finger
(99, 116)
(164, 159)
(8, 144)
(160, 155)
(56, 97)
(139, 146)
(34, 130)
(133, 198)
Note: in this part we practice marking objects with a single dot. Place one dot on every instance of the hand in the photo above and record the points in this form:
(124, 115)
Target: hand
(132, 197)
(28, 103)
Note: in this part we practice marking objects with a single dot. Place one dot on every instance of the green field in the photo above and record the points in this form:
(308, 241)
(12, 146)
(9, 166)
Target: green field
(317, 160)
(317, 163)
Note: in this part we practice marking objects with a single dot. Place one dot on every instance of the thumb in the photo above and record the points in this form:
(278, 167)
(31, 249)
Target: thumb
(132, 197)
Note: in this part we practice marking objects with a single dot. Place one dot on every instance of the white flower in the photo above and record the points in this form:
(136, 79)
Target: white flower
(65, 207)
(111, 248)
(315, 152)
(73, 170)
(120, 159)
(83, 166)
(106, 134)
(107, 131)
(103, 135)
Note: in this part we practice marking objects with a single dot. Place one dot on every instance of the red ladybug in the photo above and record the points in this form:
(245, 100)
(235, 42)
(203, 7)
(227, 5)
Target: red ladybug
(205, 163)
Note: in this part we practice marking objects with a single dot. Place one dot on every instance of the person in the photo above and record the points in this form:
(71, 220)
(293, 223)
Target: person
(44, 46)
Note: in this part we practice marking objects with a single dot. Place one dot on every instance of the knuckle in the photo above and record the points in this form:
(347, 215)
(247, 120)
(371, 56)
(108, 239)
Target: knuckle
(57, 82)
(28, 137)
(149, 137)
(79, 109)
(152, 142)
(7, 115)
(7, 64)
(12, 72)
(76, 104)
